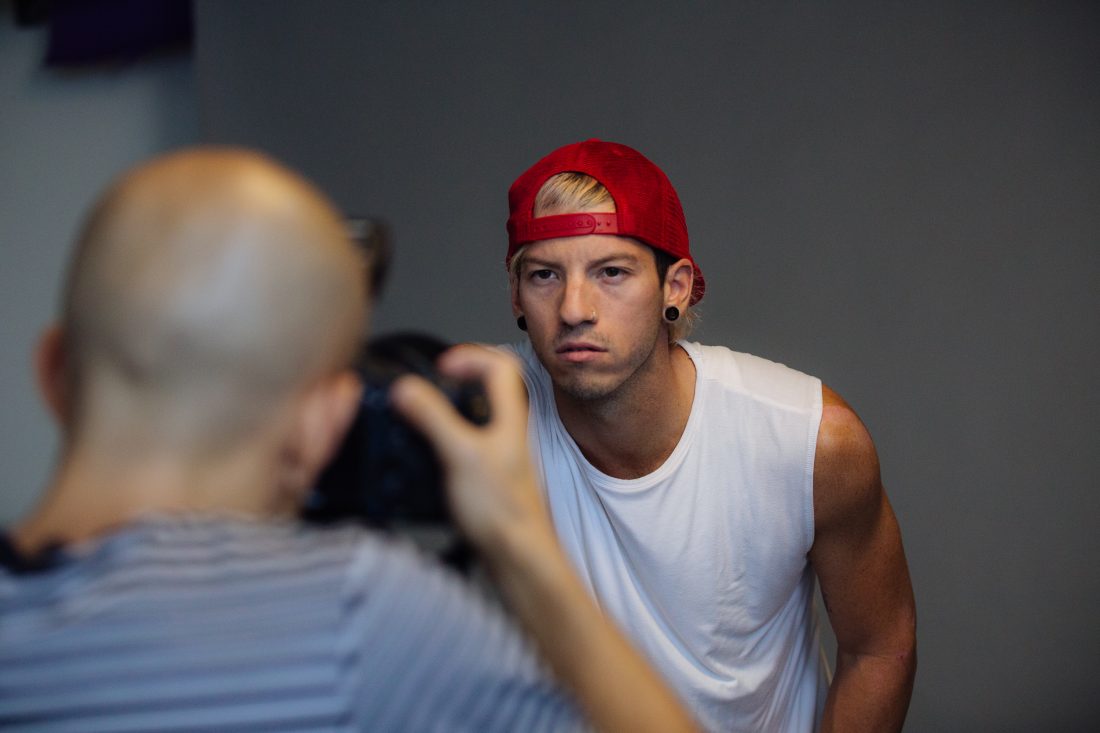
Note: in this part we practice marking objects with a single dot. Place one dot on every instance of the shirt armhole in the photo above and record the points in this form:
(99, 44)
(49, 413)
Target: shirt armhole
(814, 427)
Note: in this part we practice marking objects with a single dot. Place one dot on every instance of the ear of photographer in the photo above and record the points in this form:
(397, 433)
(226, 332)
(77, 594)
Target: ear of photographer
(200, 374)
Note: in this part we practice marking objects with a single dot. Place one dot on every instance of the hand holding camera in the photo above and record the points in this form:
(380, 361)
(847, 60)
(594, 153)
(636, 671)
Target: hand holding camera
(411, 436)
(492, 489)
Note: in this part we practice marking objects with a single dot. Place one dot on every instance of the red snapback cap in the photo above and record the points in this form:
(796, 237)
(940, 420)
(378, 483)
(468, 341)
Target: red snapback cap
(646, 205)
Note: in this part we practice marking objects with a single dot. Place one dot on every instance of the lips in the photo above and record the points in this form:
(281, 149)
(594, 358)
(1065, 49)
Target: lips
(578, 351)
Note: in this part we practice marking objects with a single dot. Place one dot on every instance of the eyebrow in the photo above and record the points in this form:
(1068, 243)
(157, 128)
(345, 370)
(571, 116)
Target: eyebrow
(622, 256)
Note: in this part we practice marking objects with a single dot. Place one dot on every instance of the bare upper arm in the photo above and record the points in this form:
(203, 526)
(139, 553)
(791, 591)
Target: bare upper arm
(857, 551)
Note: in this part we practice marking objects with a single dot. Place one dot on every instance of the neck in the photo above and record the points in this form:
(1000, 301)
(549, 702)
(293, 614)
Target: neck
(632, 433)
(92, 495)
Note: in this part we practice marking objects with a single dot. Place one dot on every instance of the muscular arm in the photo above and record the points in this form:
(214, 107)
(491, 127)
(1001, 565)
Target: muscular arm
(858, 557)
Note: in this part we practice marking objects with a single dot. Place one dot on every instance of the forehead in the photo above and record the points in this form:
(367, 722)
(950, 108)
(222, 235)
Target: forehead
(586, 249)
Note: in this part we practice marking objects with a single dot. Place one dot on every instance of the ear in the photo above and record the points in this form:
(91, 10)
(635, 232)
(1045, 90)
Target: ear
(49, 373)
(517, 311)
(514, 268)
(324, 415)
(513, 289)
(678, 282)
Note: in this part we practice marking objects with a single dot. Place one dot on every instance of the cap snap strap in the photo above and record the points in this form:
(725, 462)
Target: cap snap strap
(565, 225)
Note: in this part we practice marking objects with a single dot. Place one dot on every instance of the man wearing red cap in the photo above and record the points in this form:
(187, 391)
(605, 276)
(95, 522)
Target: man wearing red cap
(699, 491)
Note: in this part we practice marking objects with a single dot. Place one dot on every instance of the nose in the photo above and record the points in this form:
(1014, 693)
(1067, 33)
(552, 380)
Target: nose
(577, 305)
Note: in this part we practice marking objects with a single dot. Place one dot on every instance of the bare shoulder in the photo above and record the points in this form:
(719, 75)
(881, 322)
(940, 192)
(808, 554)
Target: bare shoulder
(860, 564)
(847, 478)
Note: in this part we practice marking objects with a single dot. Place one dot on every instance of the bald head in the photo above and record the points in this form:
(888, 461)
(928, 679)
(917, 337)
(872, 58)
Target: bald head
(208, 286)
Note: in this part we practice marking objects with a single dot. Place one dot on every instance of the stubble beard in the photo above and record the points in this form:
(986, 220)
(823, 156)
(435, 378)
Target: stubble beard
(596, 390)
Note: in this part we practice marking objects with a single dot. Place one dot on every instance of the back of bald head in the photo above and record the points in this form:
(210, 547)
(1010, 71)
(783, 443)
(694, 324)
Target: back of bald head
(208, 286)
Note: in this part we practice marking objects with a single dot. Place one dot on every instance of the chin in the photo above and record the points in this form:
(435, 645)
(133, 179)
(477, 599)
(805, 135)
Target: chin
(586, 389)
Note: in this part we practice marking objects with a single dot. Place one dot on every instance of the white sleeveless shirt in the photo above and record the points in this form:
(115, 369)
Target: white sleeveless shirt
(703, 562)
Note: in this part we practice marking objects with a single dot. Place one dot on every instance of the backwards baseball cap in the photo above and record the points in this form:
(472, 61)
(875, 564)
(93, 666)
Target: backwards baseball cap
(646, 205)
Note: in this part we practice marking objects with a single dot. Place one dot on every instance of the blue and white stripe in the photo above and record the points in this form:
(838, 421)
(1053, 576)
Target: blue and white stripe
(196, 623)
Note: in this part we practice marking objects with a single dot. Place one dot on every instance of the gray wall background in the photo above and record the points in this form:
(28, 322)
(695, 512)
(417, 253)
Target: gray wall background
(901, 200)
(63, 136)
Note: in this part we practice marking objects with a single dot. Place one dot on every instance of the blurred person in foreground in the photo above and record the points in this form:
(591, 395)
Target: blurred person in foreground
(200, 374)
(699, 491)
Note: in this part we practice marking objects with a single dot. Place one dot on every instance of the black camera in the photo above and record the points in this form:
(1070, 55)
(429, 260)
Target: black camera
(385, 474)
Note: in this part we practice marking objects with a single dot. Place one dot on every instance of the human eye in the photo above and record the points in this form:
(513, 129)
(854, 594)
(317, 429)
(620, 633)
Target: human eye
(541, 275)
(613, 272)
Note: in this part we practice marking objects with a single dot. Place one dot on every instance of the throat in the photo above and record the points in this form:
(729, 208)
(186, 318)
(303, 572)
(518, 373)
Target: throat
(625, 462)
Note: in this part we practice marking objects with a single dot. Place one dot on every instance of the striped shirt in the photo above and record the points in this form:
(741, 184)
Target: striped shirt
(212, 624)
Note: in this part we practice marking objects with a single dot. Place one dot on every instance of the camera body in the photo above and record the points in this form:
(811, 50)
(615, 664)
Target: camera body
(385, 474)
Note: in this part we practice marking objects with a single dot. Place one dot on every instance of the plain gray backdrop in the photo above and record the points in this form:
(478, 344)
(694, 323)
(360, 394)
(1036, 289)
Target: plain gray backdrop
(904, 201)
(64, 134)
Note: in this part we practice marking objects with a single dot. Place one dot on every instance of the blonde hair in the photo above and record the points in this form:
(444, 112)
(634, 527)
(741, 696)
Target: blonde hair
(571, 192)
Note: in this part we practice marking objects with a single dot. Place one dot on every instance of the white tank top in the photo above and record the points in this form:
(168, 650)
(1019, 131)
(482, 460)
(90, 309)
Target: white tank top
(703, 562)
